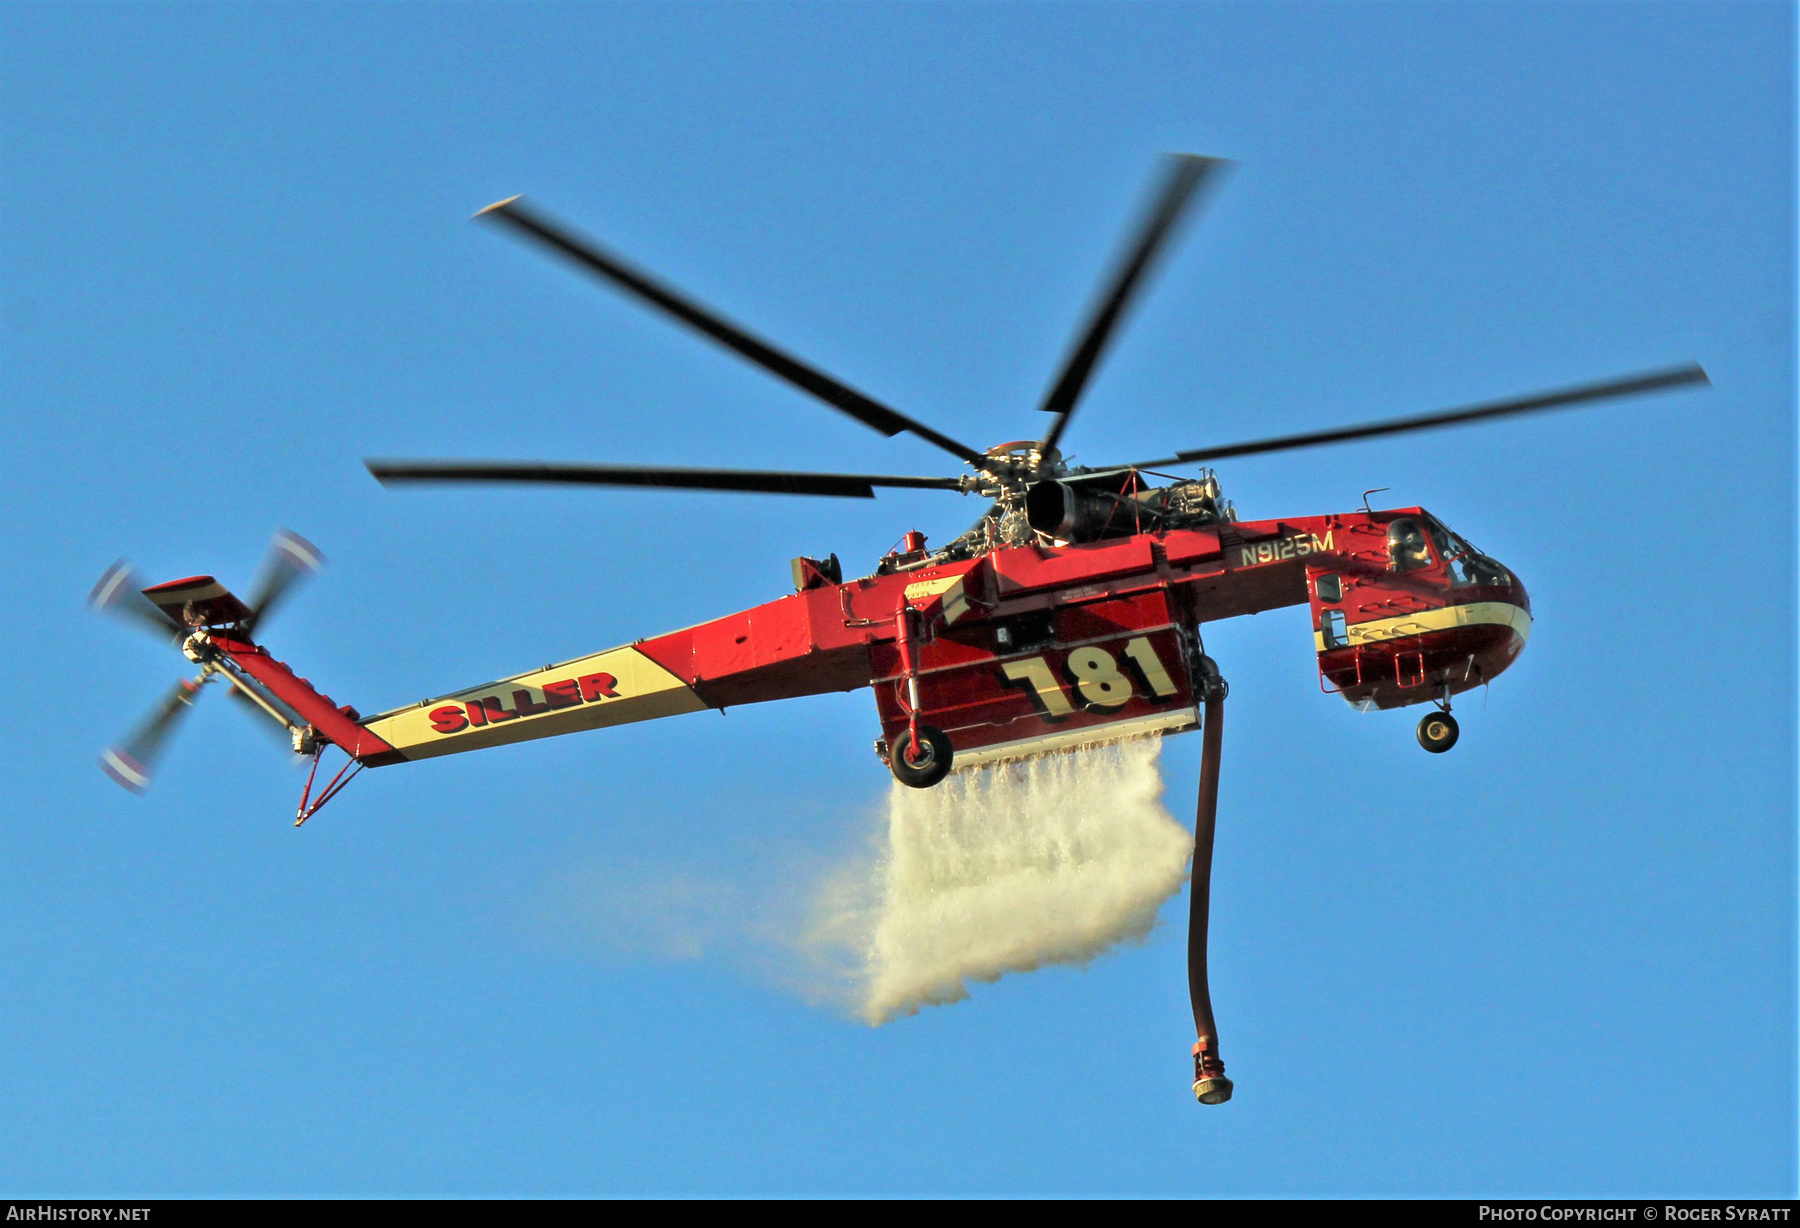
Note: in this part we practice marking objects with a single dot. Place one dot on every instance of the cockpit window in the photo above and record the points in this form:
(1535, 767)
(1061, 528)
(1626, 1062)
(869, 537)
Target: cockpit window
(1467, 565)
(1406, 545)
(1440, 537)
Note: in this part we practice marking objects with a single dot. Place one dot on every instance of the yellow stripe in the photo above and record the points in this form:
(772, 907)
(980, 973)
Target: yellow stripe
(950, 588)
(1478, 614)
(646, 690)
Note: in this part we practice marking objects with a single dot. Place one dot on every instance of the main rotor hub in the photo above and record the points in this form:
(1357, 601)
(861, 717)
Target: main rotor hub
(1022, 458)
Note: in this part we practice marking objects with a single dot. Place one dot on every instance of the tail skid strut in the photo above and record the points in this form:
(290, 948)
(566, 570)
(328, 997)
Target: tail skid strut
(257, 675)
(308, 805)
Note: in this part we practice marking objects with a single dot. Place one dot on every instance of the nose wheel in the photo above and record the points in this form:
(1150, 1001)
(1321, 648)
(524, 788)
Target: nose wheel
(1437, 732)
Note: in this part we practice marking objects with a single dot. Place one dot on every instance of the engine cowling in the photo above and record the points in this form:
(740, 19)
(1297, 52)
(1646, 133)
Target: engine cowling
(1068, 513)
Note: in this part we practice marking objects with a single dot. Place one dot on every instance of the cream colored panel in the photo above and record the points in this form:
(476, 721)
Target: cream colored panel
(644, 691)
(948, 588)
(1479, 614)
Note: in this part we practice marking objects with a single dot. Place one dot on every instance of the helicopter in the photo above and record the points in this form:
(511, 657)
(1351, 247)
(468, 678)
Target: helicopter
(1069, 614)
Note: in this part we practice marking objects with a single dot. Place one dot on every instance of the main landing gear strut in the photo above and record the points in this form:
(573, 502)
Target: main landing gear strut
(921, 755)
(1210, 1084)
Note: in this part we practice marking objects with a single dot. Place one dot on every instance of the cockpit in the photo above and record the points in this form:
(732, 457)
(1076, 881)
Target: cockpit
(1406, 545)
(1419, 542)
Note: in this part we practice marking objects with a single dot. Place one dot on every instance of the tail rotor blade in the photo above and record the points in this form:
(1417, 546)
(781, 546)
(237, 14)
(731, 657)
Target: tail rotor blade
(132, 761)
(120, 593)
(291, 558)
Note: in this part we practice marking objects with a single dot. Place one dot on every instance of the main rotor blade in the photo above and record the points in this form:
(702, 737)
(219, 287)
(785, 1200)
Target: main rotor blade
(585, 252)
(1183, 175)
(120, 592)
(843, 485)
(291, 558)
(131, 762)
(1631, 385)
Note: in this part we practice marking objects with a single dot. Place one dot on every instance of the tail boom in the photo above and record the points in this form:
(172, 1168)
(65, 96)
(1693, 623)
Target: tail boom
(615, 687)
(338, 725)
(808, 643)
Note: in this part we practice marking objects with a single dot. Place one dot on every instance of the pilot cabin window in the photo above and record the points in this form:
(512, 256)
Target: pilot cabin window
(1329, 588)
(1466, 565)
(1407, 550)
(1331, 629)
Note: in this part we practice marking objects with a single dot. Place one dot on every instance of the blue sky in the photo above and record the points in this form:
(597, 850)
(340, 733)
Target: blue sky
(234, 259)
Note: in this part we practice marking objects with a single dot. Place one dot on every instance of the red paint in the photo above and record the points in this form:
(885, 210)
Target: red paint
(1029, 567)
(1103, 593)
(598, 686)
(1052, 603)
(564, 694)
(309, 705)
(977, 705)
(495, 710)
(449, 719)
(1408, 669)
(183, 602)
(1186, 546)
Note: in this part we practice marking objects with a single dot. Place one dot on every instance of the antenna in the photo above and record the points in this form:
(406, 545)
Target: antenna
(1366, 495)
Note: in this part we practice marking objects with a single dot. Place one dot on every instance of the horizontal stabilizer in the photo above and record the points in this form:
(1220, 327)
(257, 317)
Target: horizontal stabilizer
(198, 601)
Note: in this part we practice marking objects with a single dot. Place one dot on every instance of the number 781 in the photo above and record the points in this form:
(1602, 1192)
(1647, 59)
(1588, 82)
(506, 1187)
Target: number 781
(1095, 673)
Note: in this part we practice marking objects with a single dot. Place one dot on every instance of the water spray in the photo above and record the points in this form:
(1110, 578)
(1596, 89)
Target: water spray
(1002, 869)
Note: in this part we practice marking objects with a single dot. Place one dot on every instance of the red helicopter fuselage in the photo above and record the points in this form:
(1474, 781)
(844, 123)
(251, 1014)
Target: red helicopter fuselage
(1018, 651)
(1072, 613)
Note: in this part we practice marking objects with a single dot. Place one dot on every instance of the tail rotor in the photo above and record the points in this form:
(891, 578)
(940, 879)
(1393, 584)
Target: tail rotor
(132, 761)
(120, 594)
(291, 559)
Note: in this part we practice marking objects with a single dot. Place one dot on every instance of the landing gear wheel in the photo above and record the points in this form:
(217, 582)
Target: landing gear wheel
(925, 767)
(1437, 732)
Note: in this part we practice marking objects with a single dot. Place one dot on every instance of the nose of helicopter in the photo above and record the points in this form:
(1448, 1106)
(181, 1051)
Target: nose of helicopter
(1493, 625)
(1487, 616)
(1454, 638)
